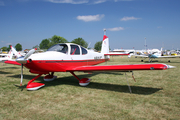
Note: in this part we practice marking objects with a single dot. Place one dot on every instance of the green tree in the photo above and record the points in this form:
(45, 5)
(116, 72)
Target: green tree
(9, 48)
(57, 39)
(44, 44)
(80, 41)
(98, 45)
(4, 48)
(18, 47)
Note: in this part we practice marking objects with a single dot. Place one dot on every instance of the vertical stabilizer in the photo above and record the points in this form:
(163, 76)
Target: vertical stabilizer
(105, 45)
(15, 52)
(10, 55)
(161, 49)
(162, 52)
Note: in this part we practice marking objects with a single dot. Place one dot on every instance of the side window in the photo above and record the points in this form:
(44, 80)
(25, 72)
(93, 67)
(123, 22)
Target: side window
(75, 50)
(64, 49)
(84, 51)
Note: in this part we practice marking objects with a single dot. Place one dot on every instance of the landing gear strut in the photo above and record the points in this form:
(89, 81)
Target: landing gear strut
(34, 85)
(50, 77)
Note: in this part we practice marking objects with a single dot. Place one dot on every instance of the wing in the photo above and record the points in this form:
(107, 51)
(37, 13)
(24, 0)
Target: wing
(131, 67)
(120, 67)
(145, 56)
(12, 62)
(169, 56)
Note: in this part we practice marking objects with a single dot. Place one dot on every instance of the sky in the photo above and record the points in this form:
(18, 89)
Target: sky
(129, 23)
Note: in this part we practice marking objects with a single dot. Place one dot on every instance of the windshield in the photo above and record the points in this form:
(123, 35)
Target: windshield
(59, 48)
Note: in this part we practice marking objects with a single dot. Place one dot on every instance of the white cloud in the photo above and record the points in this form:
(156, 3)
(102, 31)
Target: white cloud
(2, 3)
(115, 29)
(82, 1)
(122, 0)
(69, 1)
(89, 18)
(99, 1)
(129, 18)
(22, 0)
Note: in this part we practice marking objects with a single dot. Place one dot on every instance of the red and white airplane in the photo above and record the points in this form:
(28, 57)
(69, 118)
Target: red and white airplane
(17, 54)
(69, 57)
(4, 57)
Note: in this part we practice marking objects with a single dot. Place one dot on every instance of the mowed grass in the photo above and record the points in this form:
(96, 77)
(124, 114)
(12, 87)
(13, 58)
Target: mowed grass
(155, 94)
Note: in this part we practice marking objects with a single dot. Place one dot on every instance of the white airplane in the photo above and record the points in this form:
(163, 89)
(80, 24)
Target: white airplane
(69, 57)
(12, 54)
(154, 55)
(17, 54)
(5, 57)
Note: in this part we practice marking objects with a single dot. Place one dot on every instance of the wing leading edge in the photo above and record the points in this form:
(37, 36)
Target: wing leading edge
(120, 67)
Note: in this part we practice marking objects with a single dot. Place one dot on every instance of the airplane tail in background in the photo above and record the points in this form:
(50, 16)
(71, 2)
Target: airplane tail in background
(10, 55)
(105, 45)
(161, 49)
(15, 52)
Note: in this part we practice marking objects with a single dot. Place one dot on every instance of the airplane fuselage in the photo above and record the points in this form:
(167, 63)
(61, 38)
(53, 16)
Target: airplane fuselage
(55, 60)
(153, 56)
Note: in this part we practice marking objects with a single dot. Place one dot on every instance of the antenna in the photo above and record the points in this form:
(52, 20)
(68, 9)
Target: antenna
(104, 31)
(89, 45)
(145, 45)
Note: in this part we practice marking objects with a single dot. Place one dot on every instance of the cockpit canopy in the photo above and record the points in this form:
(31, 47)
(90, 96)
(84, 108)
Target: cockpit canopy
(71, 49)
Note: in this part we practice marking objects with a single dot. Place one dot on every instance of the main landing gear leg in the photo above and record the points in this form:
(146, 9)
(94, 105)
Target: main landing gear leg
(128, 82)
(83, 81)
(50, 77)
(133, 76)
(34, 85)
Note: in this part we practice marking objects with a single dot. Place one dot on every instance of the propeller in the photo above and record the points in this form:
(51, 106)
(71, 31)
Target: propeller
(21, 74)
(23, 60)
(30, 53)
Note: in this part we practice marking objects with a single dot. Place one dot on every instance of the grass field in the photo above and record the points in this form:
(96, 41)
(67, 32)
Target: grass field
(155, 94)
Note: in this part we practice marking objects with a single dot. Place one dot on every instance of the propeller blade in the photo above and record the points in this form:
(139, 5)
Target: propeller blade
(22, 60)
(21, 74)
(30, 53)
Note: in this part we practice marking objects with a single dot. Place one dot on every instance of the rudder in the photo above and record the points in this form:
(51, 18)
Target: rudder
(105, 45)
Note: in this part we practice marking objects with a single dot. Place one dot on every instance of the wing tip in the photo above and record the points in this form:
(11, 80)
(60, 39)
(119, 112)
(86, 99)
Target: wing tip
(169, 66)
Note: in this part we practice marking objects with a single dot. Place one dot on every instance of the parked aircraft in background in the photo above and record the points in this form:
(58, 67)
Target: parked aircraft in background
(17, 54)
(11, 55)
(4, 57)
(154, 55)
(69, 57)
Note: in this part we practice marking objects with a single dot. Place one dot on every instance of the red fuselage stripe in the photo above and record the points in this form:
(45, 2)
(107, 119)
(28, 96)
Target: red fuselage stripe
(60, 65)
